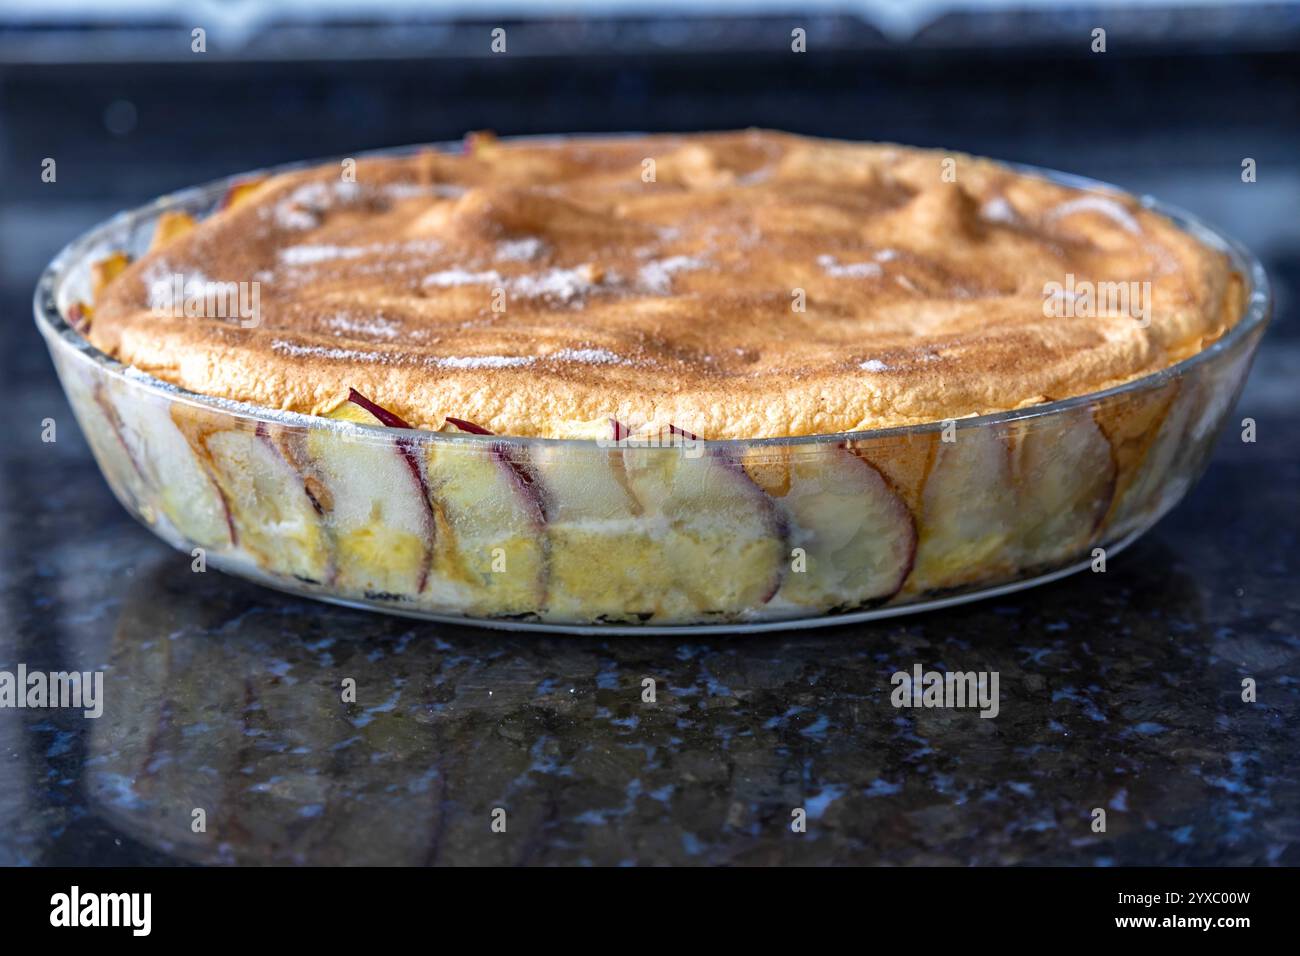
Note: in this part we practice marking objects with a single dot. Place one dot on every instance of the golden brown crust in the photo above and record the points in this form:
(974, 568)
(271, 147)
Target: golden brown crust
(533, 286)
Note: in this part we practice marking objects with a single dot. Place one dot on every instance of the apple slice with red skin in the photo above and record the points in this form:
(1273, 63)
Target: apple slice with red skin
(491, 543)
(464, 426)
(856, 538)
(606, 562)
(1064, 473)
(79, 316)
(1131, 424)
(185, 489)
(1147, 431)
(163, 471)
(277, 521)
(383, 415)
(390, 420)
(1208, 399)
(374, 497)
(722, 541)
(514, 460)
(967, 521)
(103, 430)
(97, 416)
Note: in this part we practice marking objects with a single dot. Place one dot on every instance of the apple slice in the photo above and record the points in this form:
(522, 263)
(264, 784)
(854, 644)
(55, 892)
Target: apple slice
(491, 541)
(79, 316)
(172, 224)
(1182, 421)
(1155, 482)
(373, 494)
(605, 561)
(144, 455)
(105, 271)
(967, 517)
(481, 144)
(276, 519)
(97, 417)
(184, 489)
(905, 462)
(147, 461)
(722, 541)
(240, 193)
(857, 538)
(1132, 423)
(1064, 474)
(1211, 393)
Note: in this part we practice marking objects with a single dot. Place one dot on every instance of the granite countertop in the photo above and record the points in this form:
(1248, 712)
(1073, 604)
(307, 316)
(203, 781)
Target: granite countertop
(1119, 690)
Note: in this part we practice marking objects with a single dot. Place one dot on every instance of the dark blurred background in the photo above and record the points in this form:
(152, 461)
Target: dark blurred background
(115, 94)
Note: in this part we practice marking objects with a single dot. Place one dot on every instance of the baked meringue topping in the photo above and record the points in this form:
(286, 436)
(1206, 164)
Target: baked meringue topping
(739, 285)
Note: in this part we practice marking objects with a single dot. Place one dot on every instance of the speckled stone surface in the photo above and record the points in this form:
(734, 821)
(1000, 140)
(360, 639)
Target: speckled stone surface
(1119, 690)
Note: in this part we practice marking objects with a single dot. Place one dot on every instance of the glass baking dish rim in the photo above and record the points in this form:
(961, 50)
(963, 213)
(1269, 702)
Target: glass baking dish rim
(54, 327)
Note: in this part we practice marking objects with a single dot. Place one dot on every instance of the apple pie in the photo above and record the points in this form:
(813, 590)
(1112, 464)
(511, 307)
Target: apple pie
(726, 377)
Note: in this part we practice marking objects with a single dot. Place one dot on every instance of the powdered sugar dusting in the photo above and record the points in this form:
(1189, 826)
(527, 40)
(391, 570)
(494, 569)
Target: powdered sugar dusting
(291, 217)
(520, 250)
(454, 277)
(304, 207)
(566, 285)
(563, 285)
(401, 191)
(848, 270)
(657, 277)
(1107, 207)
(873, 365)
(589, 356)
(484, 361)
(163, 286)
(309, 254)
(294, 350)
(997, 210)
(155, 275)
(312, 253)
(376, 327)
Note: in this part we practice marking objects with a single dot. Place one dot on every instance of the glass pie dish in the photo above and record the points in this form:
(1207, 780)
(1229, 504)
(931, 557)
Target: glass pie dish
(627, 534)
